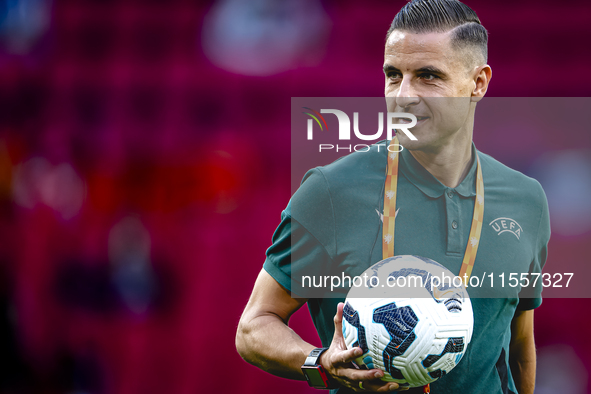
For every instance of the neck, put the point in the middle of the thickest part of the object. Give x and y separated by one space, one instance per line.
450 164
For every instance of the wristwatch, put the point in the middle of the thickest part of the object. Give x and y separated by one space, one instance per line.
314 372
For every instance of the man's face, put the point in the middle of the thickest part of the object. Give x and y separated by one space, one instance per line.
425 76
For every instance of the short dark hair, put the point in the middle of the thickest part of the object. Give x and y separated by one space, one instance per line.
438 16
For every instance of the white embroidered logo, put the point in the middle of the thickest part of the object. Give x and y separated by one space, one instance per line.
502 225
381 215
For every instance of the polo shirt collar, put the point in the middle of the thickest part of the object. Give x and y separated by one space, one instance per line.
428 184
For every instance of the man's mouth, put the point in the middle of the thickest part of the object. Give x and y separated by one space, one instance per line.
407 120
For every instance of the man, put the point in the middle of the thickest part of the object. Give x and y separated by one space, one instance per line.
435 68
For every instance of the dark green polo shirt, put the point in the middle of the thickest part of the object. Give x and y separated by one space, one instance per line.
332 226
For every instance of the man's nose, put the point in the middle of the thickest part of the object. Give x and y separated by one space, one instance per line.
406 95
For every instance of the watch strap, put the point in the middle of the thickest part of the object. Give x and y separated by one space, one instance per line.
314 355
322 379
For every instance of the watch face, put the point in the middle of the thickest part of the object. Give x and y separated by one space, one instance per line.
314 377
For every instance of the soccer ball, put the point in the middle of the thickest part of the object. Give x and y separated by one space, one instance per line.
412 318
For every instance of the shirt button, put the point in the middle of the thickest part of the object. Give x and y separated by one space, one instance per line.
450 194
454 224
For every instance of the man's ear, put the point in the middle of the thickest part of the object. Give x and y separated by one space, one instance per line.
482 76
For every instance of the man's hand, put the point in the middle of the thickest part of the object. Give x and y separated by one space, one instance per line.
264 339
338 363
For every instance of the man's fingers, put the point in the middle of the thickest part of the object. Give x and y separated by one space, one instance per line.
338 320
356 375
380 386
370 379
350 355
375 385
338 338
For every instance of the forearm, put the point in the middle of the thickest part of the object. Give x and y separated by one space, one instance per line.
268 343
522 359
522 352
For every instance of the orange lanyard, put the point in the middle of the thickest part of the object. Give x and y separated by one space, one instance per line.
390 190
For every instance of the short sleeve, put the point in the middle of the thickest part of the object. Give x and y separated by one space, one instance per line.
300 253
531 297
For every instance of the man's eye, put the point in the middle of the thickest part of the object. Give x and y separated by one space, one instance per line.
429 77
393 75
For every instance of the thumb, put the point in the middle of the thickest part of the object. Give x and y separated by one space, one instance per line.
338 338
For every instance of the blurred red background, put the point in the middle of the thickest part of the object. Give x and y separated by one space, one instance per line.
144 163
